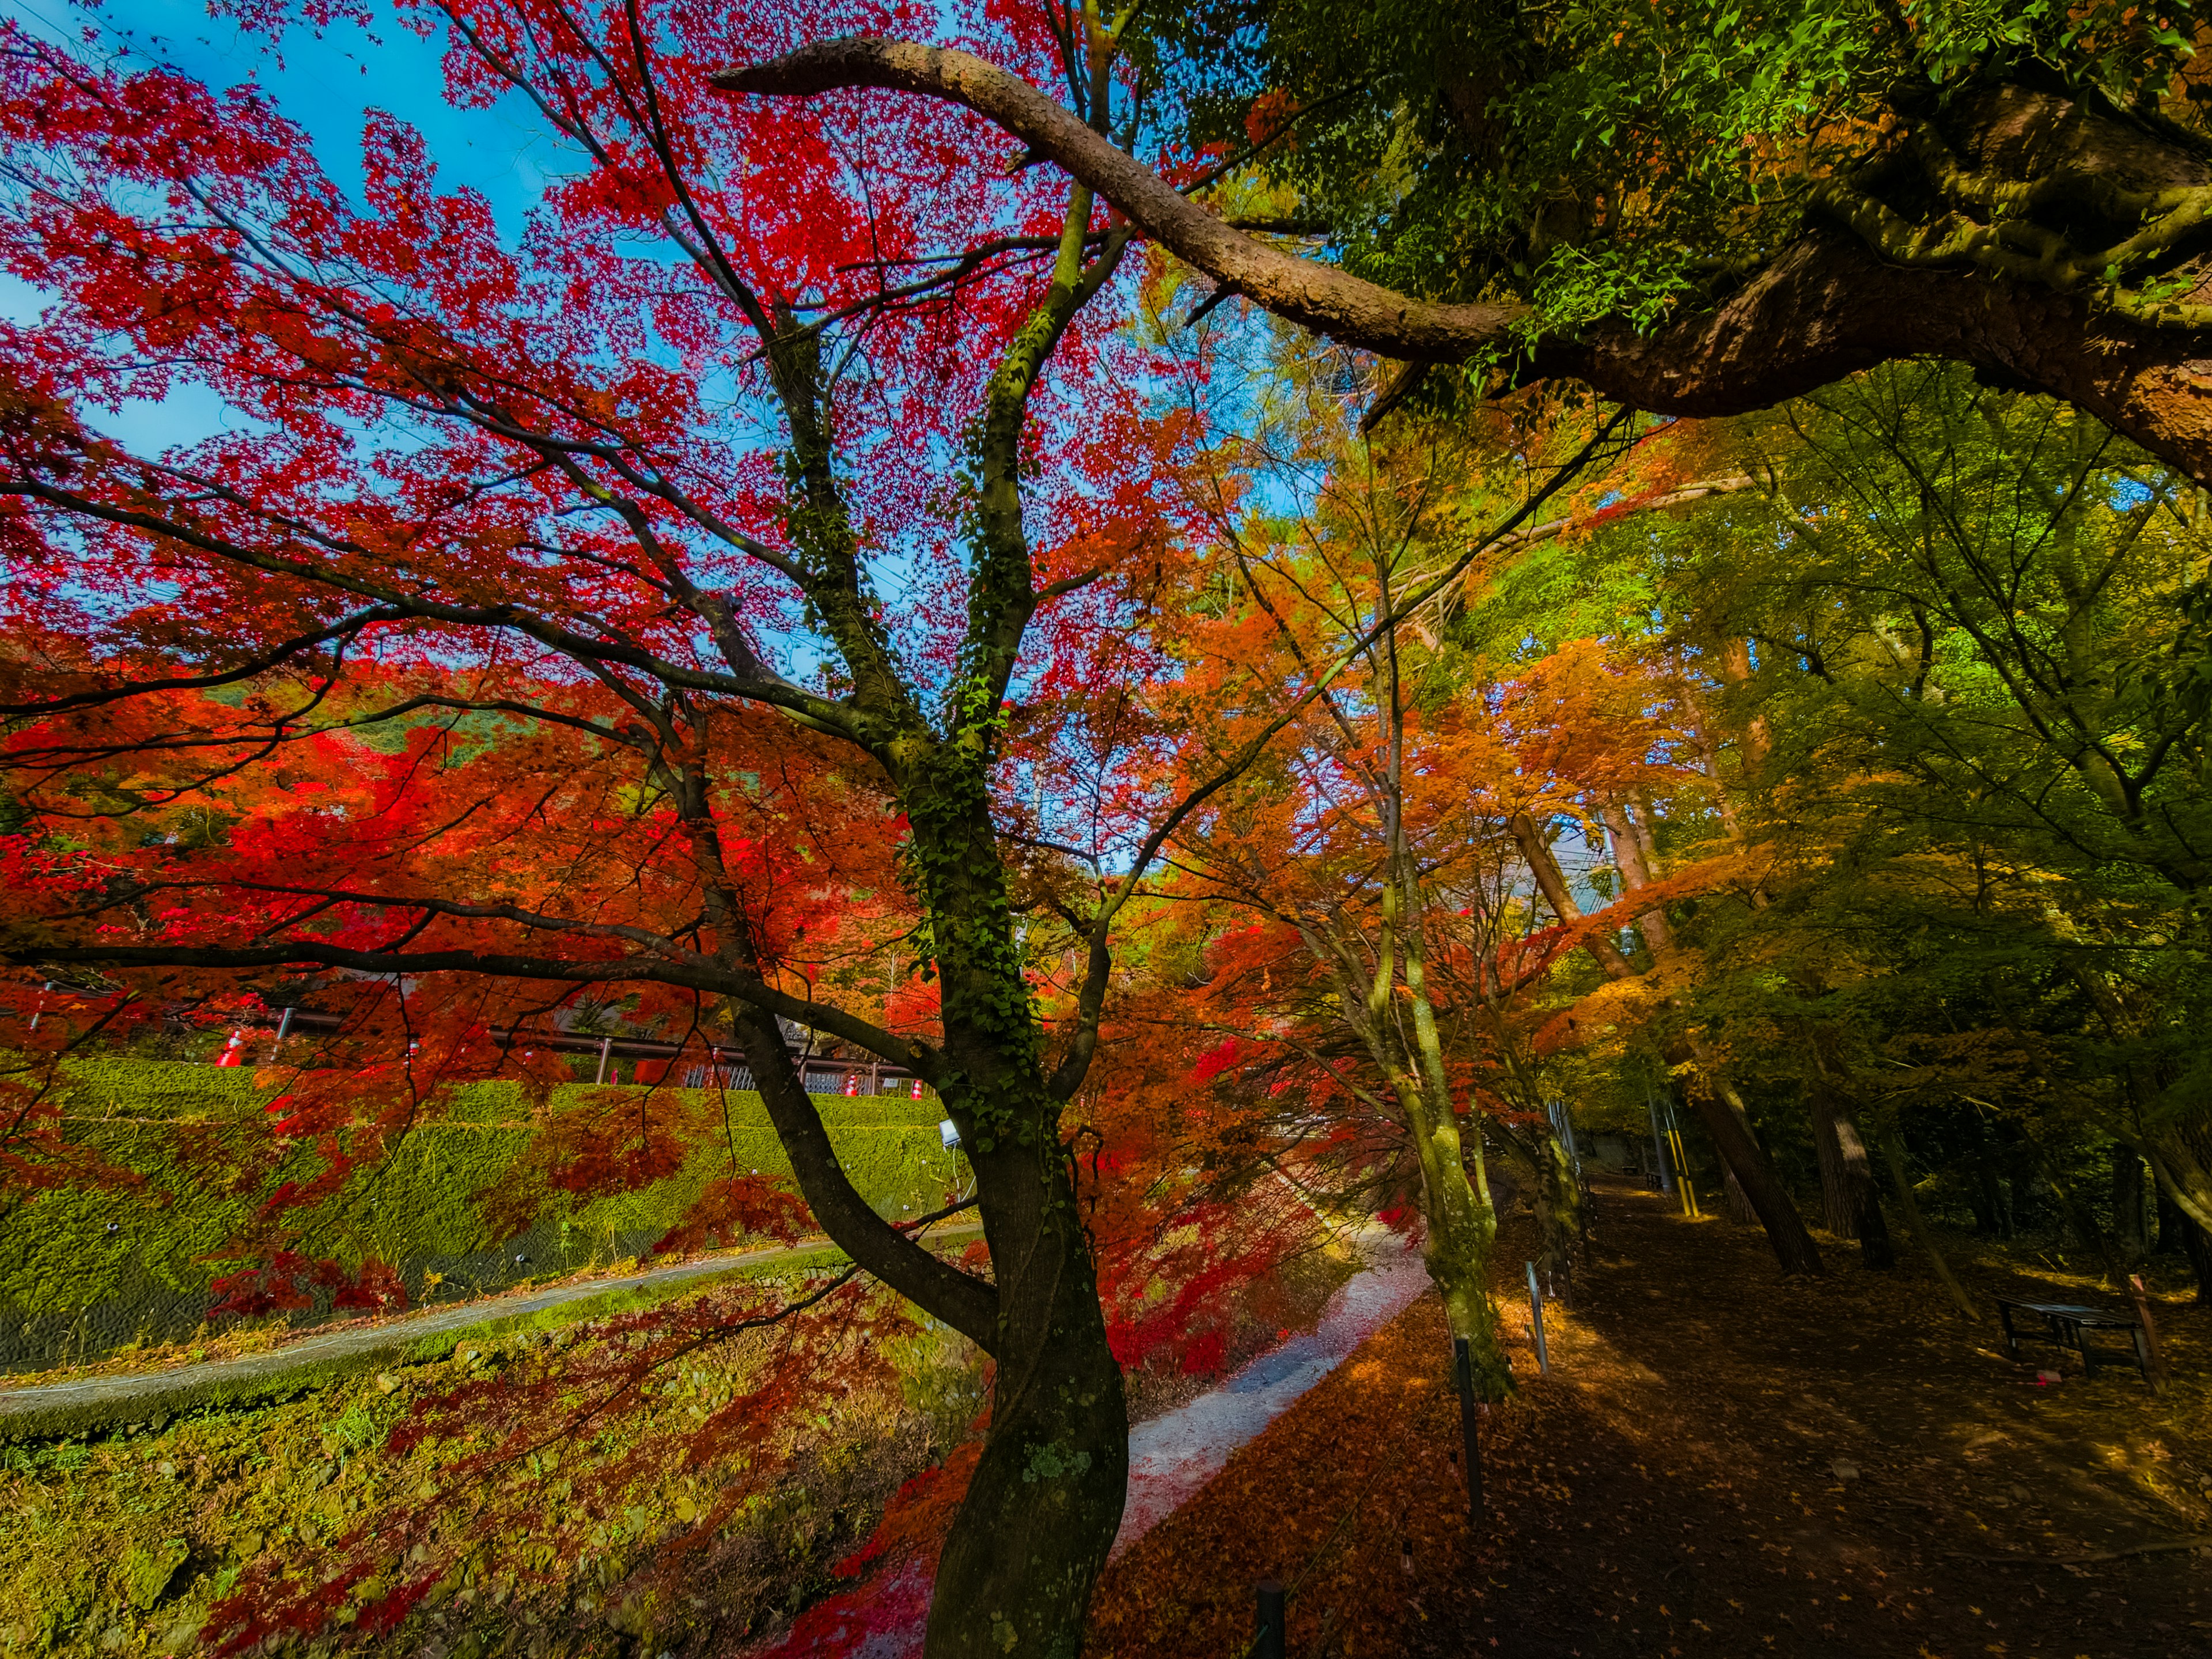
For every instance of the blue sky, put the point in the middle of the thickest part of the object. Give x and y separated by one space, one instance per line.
327 84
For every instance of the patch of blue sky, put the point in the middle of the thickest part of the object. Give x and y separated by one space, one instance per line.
327 82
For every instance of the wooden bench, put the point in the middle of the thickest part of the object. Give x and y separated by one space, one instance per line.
2069 1325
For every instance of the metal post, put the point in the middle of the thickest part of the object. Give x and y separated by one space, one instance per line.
1267 1632
606 1047
1470 1425
1536 1322
1689 1191
284 1027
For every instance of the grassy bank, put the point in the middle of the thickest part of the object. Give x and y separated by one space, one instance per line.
85 1271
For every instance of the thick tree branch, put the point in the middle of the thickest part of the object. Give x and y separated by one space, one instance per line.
967 1303
1827 306
1318 295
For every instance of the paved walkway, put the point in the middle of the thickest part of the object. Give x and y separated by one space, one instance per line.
49 1409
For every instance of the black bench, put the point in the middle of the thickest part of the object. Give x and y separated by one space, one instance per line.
2069 1325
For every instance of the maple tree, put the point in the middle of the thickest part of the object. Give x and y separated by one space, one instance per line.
448 677
493 548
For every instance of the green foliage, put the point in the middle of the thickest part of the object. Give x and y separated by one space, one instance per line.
1615 158
1951 644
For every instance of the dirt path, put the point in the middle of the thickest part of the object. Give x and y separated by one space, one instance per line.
44 1409
1722 1463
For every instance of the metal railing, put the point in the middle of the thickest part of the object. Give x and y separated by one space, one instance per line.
821 1075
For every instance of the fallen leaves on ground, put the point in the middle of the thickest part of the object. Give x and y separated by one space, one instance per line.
1722 1463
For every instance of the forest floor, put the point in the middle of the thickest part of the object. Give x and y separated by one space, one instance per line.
1722 1462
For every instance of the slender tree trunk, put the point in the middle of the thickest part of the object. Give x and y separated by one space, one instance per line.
1893 1153
1754 1172
2093 1237
2129 1235
1742 1159
1560 1216
1631 856
1999 1225
1461 1224
1536 851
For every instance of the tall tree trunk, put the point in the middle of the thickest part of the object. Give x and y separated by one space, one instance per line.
1461 1224
1850 1189
2176 1231
2181 1157
1557 1197
1630 857
1747 1160
2129 1235
1839 1215
1893 1152
1041 1510
1536 851
1742 1157
1993 1200
2093 1237
1031 1536
1733 1198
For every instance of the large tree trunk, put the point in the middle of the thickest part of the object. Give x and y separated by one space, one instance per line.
1046 1500
1041 1513
1837 1211
1921 270
1847 1186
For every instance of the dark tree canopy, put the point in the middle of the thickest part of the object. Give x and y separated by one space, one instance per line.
1701 207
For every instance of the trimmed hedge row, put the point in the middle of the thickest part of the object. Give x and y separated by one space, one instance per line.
83 1270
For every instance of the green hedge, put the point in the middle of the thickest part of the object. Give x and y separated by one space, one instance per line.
184 1129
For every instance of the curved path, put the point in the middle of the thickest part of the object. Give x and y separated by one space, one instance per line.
47 1409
